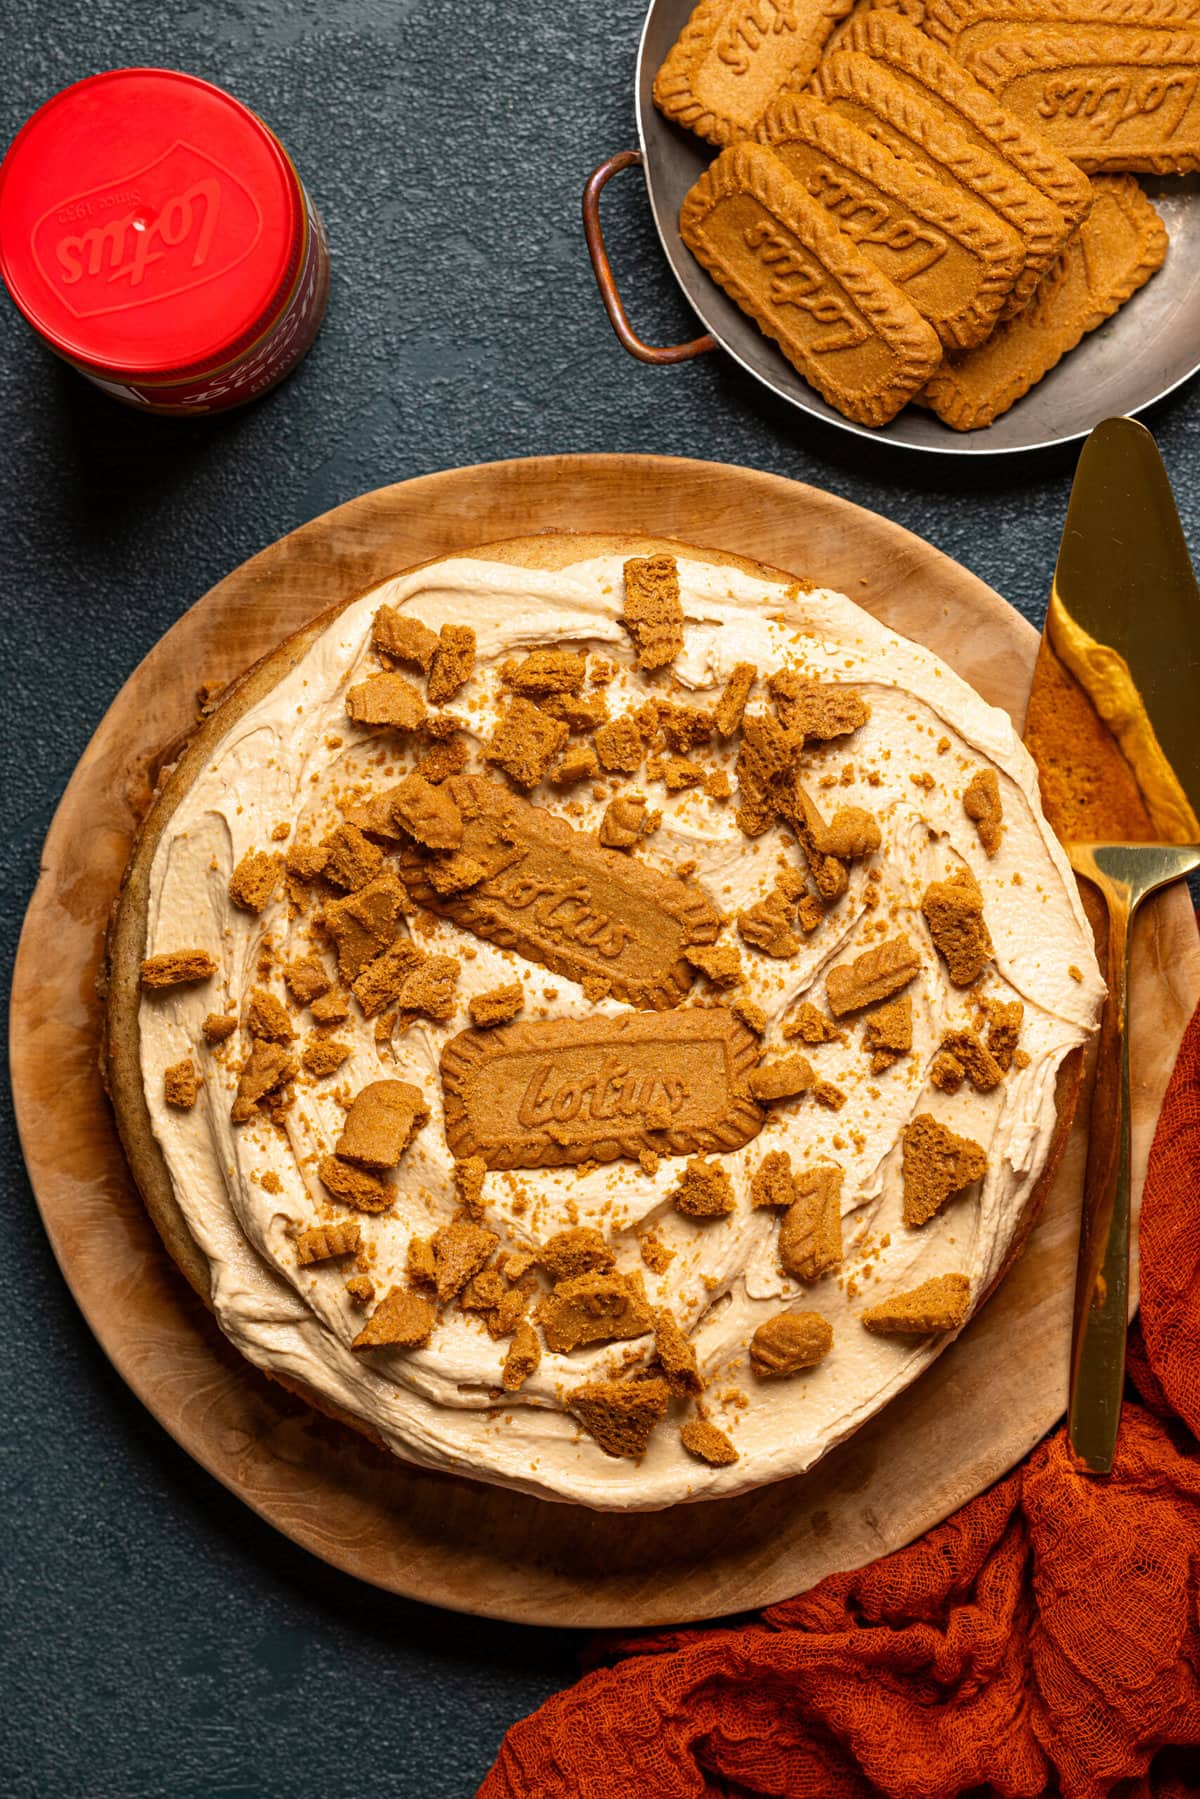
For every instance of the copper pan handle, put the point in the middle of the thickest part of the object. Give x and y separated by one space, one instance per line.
606 281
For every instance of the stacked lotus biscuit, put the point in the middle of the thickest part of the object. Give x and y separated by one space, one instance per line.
932 207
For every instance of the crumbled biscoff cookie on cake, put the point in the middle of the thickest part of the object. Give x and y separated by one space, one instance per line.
767 925
304 861
982 804
937 1305
579 1250
351 860
594 1308
935 1165
459 1251
218 1026
177 968
266 1016
717 784
810 1024
254 880
381 980
623 822
684 727
181 1084
546 672
364 923
652 613
766 756
468 1184
306 979
1004 1019
675 772
873 976
403 638
323 1056
330 1008
429 813
810 913
523 1358
676 1355
361 1289
579 763
453 663
267 1068
829 1096
454 871
526 742
888 1033
620 1415
442 761
619 745
504 1319
782 1079
727 714
946 1072
386 700
382 1121
419 1264
788 1343
810 1232
402 1320
751 1015
816 710
497 1005
707 1443
976 1060
717 962
355 1186
953 910
703 1191
325 1242
483 1292
581 713
772 1181
430 988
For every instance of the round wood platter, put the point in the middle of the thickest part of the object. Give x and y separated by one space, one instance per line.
455 1542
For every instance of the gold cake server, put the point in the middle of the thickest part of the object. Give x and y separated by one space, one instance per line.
1118 678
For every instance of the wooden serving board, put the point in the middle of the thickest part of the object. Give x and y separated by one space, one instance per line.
449 1541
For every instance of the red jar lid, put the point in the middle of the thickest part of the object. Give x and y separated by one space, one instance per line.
149 222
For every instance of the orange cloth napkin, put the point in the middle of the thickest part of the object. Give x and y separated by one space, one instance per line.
1045 1639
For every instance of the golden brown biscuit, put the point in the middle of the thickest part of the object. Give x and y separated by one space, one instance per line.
848 330
1110 97
935 77
915 11
953 258
910 123
568 1090
965 26
1121 244
734 56
558 897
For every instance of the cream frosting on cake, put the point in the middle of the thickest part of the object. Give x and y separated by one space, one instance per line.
293 759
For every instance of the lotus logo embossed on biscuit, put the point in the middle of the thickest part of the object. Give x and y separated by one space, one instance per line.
179 222
558 897
545 1095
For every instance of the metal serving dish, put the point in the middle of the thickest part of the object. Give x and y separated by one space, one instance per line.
1146 351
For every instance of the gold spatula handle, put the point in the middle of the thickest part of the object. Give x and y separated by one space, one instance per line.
1102 1277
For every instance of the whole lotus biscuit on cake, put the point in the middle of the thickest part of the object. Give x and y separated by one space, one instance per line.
614 1065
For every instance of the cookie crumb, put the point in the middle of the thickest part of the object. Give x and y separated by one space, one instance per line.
497 1005
325 1242
181 1084
788 1343
177 968
620 1415
937 1305
652 613
403 1320
935 1165
452 665
982 804
708 1444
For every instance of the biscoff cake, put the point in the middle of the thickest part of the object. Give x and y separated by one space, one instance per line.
588 1013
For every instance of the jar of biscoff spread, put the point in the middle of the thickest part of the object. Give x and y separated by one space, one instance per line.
155 234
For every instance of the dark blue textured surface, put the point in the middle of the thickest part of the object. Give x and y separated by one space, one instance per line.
155 1638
